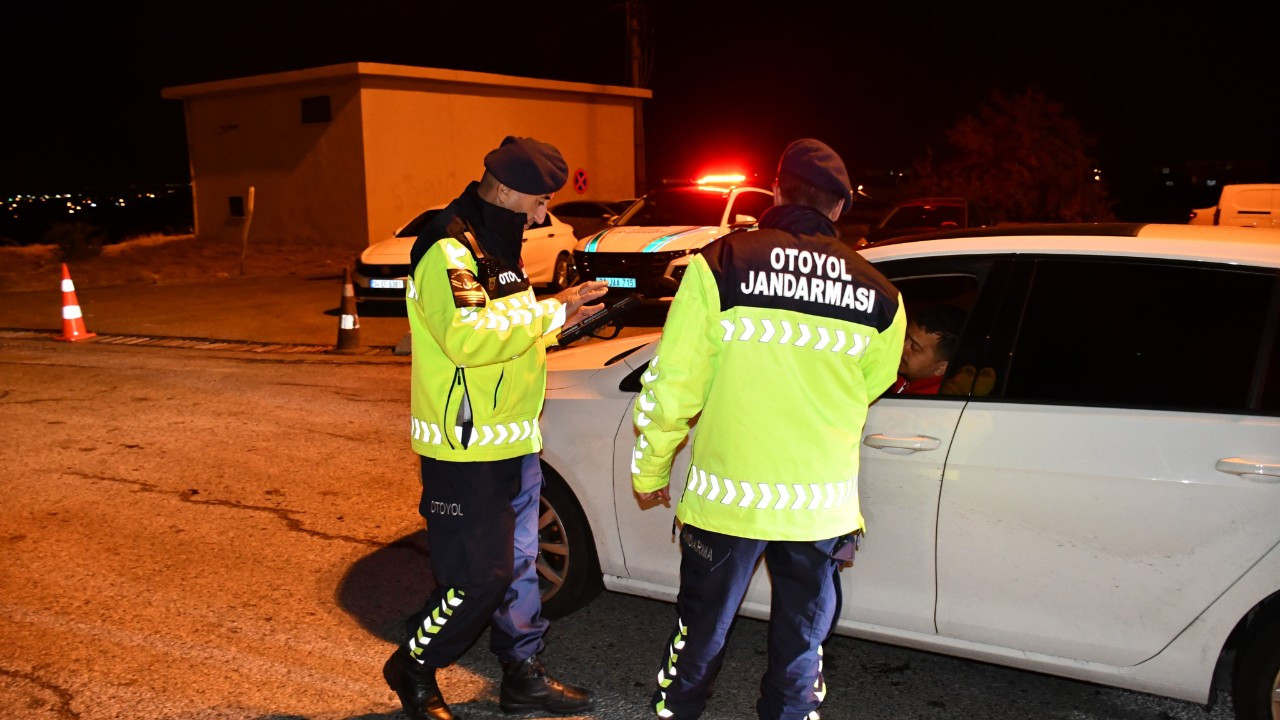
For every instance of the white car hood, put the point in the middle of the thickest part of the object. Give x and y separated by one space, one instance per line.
394 251
640 238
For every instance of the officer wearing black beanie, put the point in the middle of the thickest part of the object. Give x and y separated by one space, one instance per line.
804 311
479 338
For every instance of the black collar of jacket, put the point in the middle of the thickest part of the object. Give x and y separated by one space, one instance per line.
798 220
499 231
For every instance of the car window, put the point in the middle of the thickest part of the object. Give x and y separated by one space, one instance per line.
750 203
974 288
682 206
414 227
1139 334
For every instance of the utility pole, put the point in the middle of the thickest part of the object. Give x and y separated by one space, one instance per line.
637 25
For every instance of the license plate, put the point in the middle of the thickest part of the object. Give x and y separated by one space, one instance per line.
619 282
386 284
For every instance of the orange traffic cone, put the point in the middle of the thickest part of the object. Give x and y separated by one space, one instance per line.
72 319
349 324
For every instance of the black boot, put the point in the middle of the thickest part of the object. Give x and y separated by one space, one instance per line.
526 686
416 685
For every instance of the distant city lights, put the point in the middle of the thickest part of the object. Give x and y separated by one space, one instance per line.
80 202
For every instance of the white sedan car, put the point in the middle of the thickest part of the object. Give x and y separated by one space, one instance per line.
381 269
1095 493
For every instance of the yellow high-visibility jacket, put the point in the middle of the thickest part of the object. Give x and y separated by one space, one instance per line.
479 370
779 341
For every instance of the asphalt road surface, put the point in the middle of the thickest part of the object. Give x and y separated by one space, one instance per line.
212 534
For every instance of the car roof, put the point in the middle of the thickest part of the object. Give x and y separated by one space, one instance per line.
1203 243
933 201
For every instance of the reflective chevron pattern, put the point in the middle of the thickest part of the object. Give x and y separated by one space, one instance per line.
668 671
764 496
646 403
819 686
807 335
434 621
514 311
499 434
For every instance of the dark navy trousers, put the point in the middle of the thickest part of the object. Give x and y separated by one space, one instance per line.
482 534
715 570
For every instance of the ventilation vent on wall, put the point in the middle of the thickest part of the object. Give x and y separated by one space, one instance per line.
316 109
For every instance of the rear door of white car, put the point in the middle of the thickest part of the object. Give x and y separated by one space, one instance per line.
1097 500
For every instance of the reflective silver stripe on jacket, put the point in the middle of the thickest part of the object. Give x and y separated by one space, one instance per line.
806 335
764 496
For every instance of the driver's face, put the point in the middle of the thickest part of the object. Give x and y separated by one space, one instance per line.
920 354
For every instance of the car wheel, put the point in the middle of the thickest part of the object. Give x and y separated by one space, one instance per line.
1255 690
568 571
564 275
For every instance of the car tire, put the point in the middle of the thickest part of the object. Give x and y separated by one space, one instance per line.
563 275
568 570
1255 688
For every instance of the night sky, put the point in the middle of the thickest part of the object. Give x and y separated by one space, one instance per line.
1161 85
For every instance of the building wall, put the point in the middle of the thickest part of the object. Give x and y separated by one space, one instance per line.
425 140
308 178
399 139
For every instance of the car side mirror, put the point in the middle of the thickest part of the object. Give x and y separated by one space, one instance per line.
741 220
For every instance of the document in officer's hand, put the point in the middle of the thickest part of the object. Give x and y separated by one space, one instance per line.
610 314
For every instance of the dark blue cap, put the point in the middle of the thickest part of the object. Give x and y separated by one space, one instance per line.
528 166
818 165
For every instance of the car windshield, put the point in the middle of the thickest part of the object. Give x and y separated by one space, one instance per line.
414 227
913 216
678 206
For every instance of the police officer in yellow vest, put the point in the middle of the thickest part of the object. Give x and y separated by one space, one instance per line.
780 337
479 339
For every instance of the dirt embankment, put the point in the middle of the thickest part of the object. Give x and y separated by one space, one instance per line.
167 260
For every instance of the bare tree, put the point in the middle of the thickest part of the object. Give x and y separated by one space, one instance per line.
1022 158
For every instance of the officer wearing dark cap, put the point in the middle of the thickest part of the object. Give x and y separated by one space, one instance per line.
479 338
779 338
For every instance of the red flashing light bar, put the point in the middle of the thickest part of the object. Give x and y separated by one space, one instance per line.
727 178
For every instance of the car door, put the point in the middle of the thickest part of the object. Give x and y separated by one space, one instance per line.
649 547
1098 499
904 449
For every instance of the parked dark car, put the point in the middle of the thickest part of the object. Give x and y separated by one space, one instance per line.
927 214
589 216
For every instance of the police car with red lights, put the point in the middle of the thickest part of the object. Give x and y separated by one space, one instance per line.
646 249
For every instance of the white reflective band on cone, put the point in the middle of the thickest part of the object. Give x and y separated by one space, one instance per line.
348 322
70 312
68 286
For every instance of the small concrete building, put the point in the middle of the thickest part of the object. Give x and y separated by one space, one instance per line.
343 155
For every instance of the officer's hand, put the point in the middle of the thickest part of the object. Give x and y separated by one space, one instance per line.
663 493
575 298
583 313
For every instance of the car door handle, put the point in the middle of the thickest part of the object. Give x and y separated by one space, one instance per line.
918 442
1262 472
